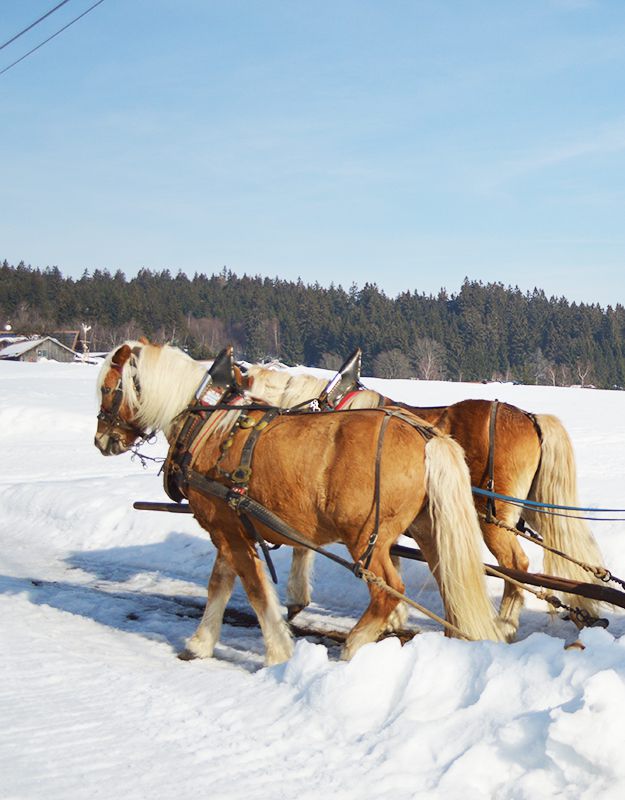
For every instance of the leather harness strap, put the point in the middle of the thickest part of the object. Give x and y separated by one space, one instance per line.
241 475
365 558
179 457
491 511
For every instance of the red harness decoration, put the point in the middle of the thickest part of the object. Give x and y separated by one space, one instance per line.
344 400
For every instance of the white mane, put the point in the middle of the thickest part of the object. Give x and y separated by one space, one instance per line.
282 388
167 379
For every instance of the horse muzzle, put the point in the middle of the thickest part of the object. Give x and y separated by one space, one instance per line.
109 445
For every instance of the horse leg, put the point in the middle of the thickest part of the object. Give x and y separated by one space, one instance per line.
300 583
504 545
262 597
421 532
220 584
556 482
381 605
451 540
298 589
458 596
399 617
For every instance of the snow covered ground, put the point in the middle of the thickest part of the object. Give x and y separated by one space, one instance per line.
96 599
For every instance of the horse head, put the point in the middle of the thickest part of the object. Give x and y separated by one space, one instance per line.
118 429
144 388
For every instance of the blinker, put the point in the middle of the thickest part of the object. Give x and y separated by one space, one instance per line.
220 375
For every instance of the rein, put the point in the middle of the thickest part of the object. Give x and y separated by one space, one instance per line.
544 508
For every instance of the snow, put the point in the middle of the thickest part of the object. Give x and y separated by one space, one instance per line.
96 599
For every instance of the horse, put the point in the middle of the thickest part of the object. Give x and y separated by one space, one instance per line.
317 472
528 456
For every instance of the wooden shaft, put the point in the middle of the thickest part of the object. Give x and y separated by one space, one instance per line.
594 591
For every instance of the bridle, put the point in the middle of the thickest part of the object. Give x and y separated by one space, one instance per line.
111 417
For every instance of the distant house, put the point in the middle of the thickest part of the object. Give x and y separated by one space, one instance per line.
35 349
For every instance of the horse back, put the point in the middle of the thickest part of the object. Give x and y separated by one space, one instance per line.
515 440
317 471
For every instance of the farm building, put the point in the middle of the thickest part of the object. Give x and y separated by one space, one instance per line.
36 349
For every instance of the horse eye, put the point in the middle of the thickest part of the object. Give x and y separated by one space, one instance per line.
106 390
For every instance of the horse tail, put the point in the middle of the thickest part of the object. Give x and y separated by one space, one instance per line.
458 540
555 482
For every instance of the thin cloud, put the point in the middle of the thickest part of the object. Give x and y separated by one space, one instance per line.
608 139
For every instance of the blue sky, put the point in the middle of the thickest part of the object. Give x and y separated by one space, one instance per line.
408 144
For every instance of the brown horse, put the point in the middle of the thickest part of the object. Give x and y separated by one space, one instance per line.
318 473
532 459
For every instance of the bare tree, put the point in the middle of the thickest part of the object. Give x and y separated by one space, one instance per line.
565 375
552 373
540 366
208 332
583 369
273 335
430 359
27 319
391 364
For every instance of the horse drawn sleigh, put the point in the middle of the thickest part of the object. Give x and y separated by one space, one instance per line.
257 467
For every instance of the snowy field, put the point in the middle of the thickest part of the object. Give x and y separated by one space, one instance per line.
97 598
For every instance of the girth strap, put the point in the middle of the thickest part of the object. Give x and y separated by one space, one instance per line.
491 511
365 558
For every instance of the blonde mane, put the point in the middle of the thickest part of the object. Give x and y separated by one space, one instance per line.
281 388
167 379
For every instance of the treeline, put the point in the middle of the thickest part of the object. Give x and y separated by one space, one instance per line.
484 332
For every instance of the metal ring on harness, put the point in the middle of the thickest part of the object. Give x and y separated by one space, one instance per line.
241 474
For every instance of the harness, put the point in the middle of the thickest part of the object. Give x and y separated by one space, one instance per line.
491 511
179 474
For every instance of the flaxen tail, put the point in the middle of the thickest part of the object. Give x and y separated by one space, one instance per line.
458 538
556 482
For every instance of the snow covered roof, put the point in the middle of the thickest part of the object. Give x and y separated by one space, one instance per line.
16 350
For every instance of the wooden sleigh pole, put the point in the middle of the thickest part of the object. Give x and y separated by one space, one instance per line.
593 591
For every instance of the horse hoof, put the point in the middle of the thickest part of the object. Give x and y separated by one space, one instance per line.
293 611
508 630
576 645
186 655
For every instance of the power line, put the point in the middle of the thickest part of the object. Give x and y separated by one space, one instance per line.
65 27
36 22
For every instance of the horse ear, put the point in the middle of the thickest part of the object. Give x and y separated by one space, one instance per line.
144 340
242 381
121 356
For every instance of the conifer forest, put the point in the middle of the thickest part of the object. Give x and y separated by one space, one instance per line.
482 332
